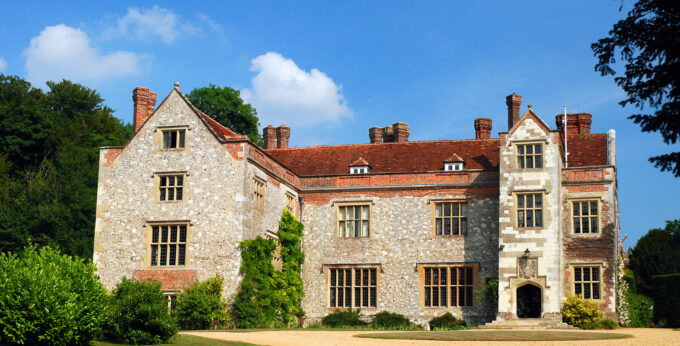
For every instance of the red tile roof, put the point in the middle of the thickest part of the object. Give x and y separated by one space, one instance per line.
170 279
389 157
221 131
587 150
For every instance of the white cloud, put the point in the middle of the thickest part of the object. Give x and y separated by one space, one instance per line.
3 64
148 24
61 51
284 93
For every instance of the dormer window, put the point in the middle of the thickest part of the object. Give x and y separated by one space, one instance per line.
358 170
453 166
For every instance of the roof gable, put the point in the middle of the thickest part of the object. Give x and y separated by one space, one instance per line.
530 114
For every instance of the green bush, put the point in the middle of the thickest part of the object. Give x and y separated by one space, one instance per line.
390 320
47 298
580 313
608 324
666 296
139 314
446 322
640 310
201 306
343 318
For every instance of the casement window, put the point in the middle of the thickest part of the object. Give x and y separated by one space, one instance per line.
174 139
530 155
353 221
258 194
587 282
353 287
585 216
168 245
529 210
290 202
447 286
358 170
171 187
453 166
450 218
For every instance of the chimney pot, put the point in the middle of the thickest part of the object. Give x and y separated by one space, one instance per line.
375 134
269 135
401 132
144 103
513 101
483 128
282 136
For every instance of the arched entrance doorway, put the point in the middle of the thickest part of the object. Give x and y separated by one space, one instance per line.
528 301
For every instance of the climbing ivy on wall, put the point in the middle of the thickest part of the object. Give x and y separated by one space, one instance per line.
268 297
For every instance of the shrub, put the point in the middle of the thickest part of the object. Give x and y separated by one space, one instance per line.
608 324
446 322
201 306
581 313
343 318
47 298
390 320
640 309
666 290
139 314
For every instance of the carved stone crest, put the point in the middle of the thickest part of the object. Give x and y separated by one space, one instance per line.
527 267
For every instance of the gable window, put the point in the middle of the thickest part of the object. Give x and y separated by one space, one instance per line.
353 221
587 282
453 166
171 187
353 287
168 245
585 216
258 194
451 218
447 286
530 210
358 170
173 139
290 202
530 155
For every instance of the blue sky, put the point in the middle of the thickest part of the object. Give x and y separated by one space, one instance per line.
331 70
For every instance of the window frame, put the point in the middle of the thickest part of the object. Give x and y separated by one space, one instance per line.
598 216
148 258
259 193
372 303
533 155
454 166
180 130
359 170
533 209
467 288
460 202
591 266
338 206
183 187
290 202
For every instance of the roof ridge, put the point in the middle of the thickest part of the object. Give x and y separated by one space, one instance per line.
392 143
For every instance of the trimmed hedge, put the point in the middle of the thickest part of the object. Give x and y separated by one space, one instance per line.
343 318
446 321
581 313
666 296
391 320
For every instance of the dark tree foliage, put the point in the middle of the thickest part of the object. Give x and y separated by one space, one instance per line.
49 154
648 40
227 108
656 253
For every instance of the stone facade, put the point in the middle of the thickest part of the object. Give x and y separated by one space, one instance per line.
234 190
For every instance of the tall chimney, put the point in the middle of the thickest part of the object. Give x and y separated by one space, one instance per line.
388 134
401 132
513 101
577 123
269 135
483 128
144 101
375 134
282 136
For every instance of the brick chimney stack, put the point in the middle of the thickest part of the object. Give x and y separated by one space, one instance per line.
577 123
269 135
483 128
144 103
513 101
401 132
282 136
375 134
387 134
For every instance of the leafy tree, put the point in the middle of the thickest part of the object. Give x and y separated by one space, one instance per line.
647 40
656 253
227 108
201 305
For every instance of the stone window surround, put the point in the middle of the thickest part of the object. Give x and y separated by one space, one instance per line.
259 196
476 283
159 130
326 270
584 198
337 204
513 144
146 259
433 206
290 202
171 294
157 182
572 283
544 208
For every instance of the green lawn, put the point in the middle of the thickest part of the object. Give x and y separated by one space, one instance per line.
496 335
189 340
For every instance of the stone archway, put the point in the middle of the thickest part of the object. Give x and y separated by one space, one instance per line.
529 301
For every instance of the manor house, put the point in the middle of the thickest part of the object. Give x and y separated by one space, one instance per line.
413 227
